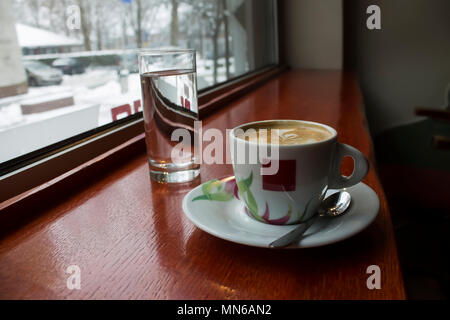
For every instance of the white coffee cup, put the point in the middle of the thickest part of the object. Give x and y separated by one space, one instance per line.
305 171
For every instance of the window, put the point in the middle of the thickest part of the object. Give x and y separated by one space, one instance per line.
73 68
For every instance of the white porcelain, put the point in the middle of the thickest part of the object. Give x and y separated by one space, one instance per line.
226 219
305 172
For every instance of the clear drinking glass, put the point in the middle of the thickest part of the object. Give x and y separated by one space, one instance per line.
169 94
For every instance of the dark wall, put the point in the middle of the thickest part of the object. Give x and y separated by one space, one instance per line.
403 65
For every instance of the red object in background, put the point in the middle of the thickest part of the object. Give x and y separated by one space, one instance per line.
126 108
185 103
137 105
283 180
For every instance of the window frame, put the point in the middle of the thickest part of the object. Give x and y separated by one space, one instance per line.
20 175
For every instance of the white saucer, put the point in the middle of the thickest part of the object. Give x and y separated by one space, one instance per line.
227 220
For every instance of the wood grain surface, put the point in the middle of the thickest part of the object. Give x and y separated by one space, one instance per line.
131 240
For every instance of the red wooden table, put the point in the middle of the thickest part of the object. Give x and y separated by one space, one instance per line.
130 238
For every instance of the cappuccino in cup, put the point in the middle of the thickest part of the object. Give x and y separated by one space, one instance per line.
284 133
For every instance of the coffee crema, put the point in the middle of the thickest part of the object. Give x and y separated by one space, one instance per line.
285 132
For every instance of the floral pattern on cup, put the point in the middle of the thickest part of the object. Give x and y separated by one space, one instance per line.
219 190
266 216
227 189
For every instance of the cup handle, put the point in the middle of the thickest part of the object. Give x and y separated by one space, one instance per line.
338 181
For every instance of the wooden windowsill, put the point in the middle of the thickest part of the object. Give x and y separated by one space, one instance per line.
131 240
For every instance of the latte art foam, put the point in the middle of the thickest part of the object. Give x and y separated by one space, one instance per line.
284 132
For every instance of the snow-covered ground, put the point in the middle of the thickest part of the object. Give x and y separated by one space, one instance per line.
98 86
102 87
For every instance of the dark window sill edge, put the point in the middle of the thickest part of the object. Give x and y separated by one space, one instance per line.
19 183
25 160
26 207
23 186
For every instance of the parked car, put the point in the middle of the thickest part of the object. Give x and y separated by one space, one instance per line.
129 61
69 66
40 74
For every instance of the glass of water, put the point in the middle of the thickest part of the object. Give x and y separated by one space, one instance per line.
169 94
